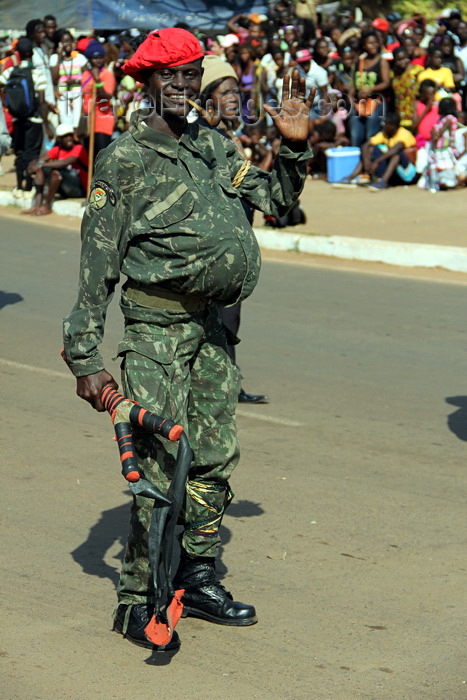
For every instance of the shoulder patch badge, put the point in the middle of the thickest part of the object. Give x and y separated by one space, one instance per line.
100 194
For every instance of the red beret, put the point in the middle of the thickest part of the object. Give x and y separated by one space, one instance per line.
164 48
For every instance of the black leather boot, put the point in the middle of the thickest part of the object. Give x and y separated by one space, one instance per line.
138 619
206 597
243 397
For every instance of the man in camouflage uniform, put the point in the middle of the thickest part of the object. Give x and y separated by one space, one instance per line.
165 212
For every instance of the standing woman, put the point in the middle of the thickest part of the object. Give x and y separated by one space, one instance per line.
231 55
450 60
371 77
282 66
105 84
248 82
67 67
404 85
220 91
322 54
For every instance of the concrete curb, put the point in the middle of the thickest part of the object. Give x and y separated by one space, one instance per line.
64 207
451 258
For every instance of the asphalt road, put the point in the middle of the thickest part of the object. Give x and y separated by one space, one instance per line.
348 527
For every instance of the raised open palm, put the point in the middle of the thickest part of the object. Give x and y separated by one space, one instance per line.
292 119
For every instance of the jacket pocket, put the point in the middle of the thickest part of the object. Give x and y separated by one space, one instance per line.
174 208
160 349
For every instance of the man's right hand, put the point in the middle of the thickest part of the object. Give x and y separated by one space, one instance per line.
90 388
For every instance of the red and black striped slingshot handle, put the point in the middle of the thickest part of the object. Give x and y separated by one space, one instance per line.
140 416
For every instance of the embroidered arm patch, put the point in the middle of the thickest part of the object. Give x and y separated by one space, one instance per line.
100 194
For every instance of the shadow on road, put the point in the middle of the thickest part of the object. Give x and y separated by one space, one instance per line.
244 509
112 527
457 421
161 659
7 298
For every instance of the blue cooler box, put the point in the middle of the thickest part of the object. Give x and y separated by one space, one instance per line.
341 161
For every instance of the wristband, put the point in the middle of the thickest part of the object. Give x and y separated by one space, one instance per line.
99 85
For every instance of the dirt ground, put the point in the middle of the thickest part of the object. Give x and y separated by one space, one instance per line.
405 214
347 530
400 214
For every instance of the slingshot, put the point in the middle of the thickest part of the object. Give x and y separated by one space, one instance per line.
124 414
168 606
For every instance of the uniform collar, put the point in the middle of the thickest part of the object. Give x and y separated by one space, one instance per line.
194 138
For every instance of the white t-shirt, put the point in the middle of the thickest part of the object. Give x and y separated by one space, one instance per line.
40 61
317 77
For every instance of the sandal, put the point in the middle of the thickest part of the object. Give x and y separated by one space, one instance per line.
363 179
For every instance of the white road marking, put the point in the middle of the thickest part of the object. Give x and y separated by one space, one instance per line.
269 419
33 368
63 375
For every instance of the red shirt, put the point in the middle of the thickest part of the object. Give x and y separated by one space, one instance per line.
80 165
427 123
105 119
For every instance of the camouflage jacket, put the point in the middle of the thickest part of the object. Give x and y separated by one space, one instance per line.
165 212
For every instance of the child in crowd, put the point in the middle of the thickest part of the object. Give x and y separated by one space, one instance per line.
387 156
425 113
324 135
340 71
443 170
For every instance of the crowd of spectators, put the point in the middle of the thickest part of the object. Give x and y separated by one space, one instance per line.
392 86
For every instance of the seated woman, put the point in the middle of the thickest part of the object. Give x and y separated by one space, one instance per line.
385 158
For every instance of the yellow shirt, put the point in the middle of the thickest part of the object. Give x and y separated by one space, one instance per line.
402 135
443 76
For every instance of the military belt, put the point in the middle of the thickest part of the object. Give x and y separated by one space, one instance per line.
153 297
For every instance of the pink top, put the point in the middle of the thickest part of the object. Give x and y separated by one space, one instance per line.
427 123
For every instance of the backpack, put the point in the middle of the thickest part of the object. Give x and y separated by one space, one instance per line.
20 94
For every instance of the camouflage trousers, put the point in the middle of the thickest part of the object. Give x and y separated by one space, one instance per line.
182 371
